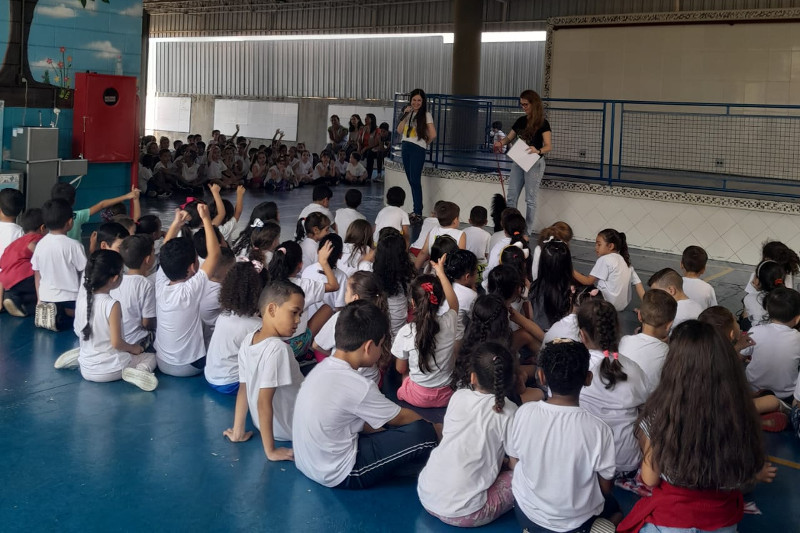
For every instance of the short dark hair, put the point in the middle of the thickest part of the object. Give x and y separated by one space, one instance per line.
63 191
56 213
694 259
360 321
721 318
443 244
497 125
666 277
321 192
278 292
31 220
447 212
199 240
12 202
135 249
478 215
352 198
565 364
176 256
356 156
459 263
396 196
164 151
658 308
782 304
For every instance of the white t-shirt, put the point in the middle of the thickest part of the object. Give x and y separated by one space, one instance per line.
333 404
398 311
776 358
647 352
222 360
304 168
179 335
614 279
410 133
340 167
97 356
314 207
687 310
404 347
209 308
270 364
754 306
59 261
335 300
350 260
137 297
466 299
566 328
700 291
9 232
561 451
357 170
190 173
494 259
537 255
618 407
427 225
326 339
390 216
310 249
314 291
788 281
797 390
215 169
478 242
227 228
344 217
438 231
467 461
495 238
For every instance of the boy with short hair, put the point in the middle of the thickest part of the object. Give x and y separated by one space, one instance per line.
180 350
57 263
693 264
340 165
579 450
776 352
12 202
393 215
347 215
648 349
16 274
66 192
477 237
320 202
339 413
428 224
135 294
356 173
670 281
447 214
269 376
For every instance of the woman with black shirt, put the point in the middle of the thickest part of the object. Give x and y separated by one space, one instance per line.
534 130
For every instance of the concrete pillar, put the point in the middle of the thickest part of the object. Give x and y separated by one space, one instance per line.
464 130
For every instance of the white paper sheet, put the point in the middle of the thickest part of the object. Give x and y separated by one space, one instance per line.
519 154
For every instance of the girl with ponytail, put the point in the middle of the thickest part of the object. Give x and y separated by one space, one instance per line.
462 484
619 386
262 213
425 348
310 231
103 354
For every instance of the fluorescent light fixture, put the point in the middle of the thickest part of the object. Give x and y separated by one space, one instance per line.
447 38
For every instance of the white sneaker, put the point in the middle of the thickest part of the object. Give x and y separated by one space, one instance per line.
147 381
601 525
68 359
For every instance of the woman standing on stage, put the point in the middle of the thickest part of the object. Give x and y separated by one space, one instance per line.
534 130
416 127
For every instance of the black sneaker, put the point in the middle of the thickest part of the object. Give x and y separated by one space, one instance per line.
415 218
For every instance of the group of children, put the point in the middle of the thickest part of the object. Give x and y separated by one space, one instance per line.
546 404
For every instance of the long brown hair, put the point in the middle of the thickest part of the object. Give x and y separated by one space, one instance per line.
367 286
421 116
536 117
703 427
426 305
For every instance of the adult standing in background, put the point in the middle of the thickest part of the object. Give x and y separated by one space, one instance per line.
416 127
534 130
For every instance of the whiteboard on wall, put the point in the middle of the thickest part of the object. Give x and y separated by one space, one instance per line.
256 119
168 113
382 114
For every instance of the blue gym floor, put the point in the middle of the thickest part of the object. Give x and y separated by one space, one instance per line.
101 457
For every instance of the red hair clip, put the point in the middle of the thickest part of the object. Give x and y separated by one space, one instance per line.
779 281
428 288
189 199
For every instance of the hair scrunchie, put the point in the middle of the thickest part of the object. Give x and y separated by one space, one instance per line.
615 355
257 223
428 288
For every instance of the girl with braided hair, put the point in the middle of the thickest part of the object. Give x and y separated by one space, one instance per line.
462 483
619 386
425 348
103 354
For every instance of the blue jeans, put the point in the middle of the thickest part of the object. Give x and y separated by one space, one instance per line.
650 528
413 161
530 180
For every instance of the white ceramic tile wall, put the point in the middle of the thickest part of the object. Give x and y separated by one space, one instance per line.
727 234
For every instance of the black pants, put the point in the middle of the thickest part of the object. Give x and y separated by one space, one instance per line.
23 294
370 156
610 508
395 451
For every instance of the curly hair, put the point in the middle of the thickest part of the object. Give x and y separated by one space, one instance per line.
565 364
427 295
598 320
240 289
392 265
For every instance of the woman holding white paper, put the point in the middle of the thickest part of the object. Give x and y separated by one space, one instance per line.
534 130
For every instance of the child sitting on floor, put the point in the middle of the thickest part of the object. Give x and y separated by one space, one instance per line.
310 231
447 214
671 282
477 238
693 264
269 377
66 192
769 276
12 202
135 294
16 273
392 215
347 215
339 415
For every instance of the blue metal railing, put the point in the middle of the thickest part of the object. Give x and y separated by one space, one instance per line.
738 149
